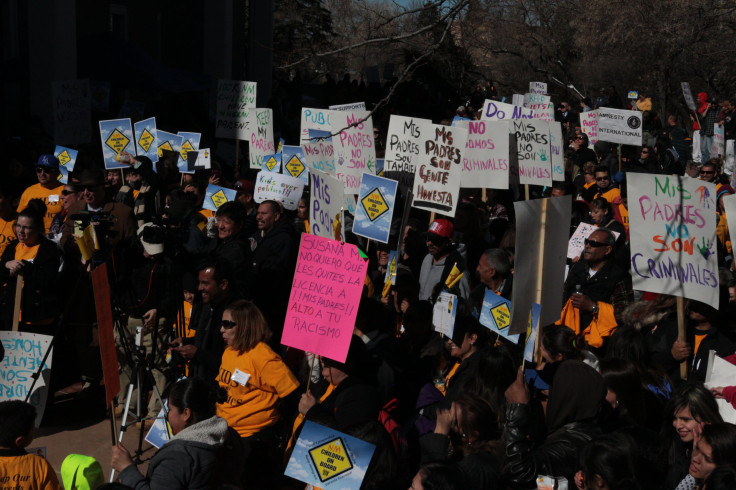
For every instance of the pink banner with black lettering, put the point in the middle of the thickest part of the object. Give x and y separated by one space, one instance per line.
673 236
324 297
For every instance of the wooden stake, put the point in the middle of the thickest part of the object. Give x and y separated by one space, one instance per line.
526 192
681 333
540 268
431 218
483 195
18 296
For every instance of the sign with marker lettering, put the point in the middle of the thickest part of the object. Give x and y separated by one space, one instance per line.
501 111
486 158
537 88
589 126
328 459
278 187
324 299
261 137
541 105
314 119
325 203
672 223
619 126
235 99
532 146
403 143
556 150
355 151
439 169
688 94
718 148
72 103
319 152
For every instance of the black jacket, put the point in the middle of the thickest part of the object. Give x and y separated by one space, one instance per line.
353 401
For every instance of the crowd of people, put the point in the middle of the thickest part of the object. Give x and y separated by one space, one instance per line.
604 406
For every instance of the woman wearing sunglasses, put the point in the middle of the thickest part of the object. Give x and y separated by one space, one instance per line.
256 381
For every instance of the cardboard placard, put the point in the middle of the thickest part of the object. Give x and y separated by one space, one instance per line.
444 313
325 204
216 196
355 150
235 99
532 146
375 208
495 314
116 136
277 187
145 138
486 158
619 126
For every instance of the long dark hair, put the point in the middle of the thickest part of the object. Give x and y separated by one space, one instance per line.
610 458
622 378
197 395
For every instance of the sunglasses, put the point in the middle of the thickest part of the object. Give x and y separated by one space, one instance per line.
227 324
706 172
602 178
66 193
43 170
595 244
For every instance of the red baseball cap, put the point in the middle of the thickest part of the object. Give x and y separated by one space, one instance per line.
242 185
442 228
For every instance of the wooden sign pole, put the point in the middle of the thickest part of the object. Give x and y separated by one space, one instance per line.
18 297
681 333
540 269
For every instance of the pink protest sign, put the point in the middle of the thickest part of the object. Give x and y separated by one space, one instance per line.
324 297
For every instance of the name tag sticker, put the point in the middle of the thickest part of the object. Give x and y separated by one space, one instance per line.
54 198
240 377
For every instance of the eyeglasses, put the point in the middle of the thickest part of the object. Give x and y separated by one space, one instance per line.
66 192
598 179
595 244
43 170
645 151
579 138
227 324
707 172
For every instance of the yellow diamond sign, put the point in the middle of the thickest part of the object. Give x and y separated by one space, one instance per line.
165 146
117 141
502 315
295 166
64 158
146 140
219 198
186 147
330 459
374 204
271 163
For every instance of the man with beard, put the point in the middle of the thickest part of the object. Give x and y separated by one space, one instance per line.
48 189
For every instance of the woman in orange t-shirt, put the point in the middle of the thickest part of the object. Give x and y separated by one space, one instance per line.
37 259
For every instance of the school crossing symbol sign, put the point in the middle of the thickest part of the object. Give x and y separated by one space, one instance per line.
330 459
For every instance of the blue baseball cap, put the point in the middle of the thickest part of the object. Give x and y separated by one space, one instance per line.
48 160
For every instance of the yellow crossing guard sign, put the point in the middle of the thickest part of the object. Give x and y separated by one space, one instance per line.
330 459
295 166
117 141
374 204
502 315
146 139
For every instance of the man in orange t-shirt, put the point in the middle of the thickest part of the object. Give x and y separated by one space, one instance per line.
48 189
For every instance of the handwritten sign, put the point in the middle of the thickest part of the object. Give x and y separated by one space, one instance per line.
277 187
235 99
72 102
532 146
319 152
116 136
403 143
541 105
23 355
145 138
577 241
496 315
324 299
486 158
673 236
261 137
314 119
355 151
556 149
439 170
216 196
718 148
537 88
619 126
326 202
444 313
688 95
375 207
501 111
589 126
328 459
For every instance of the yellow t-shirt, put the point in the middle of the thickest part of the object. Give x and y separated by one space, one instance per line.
609 195
252 406
26 253
624 215
7 233
51 198
27 472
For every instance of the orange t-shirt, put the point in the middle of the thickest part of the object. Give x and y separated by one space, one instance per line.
27 472
7 233
26 253
252 405
50 197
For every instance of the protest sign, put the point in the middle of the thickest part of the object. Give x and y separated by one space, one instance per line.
531 332
326 202
116 136
403 143
540 259
355 150
314 119
72 104
328 459
160 432
261 137
319 153
235 100
557 151
23 355
375 208
541 106
486 158
67 157
688 94
391 269
277 187
325 294
355 106
216 196
537 88
495 314
589 126
718 148
272 163
502 111
200 158
619 126
379 166
721 373
189 142
145 138
168 141
444 313
516 99
439 169
577 241
672 224
292 158
532 146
